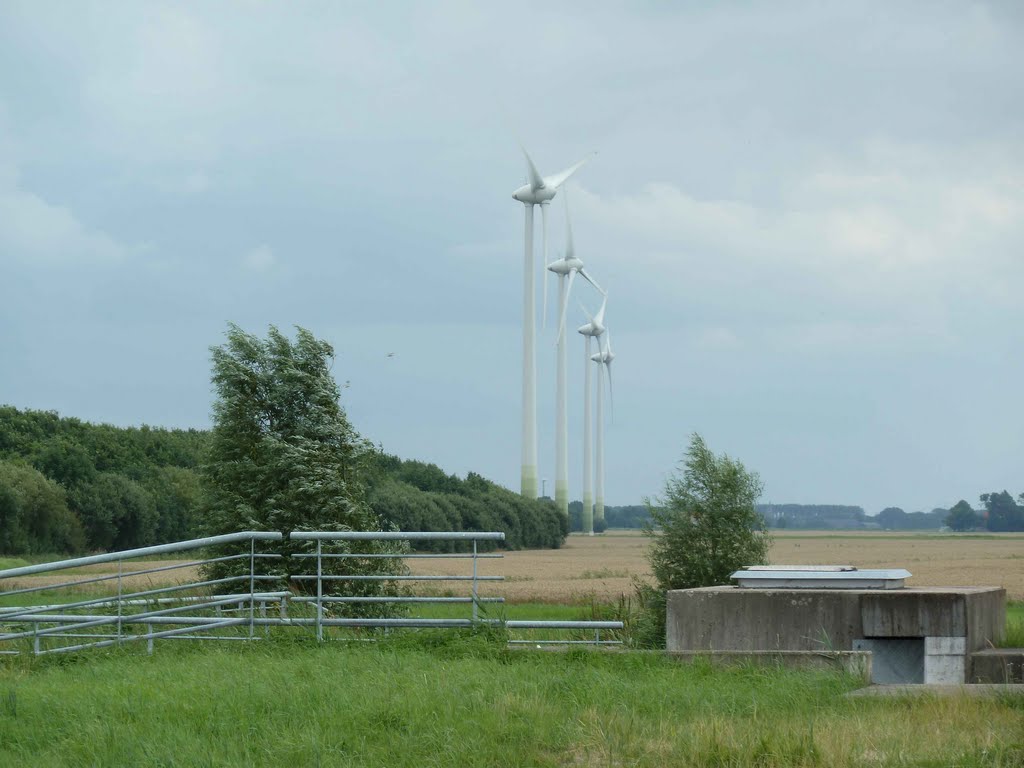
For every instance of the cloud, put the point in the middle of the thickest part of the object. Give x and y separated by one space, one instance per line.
40 232
904 242
260 259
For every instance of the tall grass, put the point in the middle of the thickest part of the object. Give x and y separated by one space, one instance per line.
1014 626
454 699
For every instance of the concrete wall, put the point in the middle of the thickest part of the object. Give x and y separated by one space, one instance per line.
952 622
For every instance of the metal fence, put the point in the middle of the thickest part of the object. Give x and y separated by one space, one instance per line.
126 597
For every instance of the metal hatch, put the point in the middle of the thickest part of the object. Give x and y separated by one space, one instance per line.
819 577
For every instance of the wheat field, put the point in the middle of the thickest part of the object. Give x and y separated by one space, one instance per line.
603 567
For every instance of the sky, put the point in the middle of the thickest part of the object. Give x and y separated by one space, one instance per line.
809 217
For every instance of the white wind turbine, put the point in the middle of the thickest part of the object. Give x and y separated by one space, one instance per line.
567 267
604 360
538 190
592 329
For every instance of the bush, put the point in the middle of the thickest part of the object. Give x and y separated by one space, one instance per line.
705 526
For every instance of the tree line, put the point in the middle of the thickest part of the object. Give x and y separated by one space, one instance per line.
70 486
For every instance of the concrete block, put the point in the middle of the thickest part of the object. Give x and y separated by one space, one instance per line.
997 665
945 646
945 669
734 619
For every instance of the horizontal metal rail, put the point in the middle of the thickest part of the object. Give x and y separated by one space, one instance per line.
182 611
160 549
423 599
397 536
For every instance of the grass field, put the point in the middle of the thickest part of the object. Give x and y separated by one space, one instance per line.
432 698
455 700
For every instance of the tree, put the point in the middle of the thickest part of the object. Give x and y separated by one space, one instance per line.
892 518
706 526
962 517
34 516
1003 512
283 455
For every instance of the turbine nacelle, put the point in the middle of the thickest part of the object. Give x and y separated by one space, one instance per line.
567 265
530 196
595 324
541 189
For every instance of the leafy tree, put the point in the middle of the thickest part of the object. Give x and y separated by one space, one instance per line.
34 516
283 455
962 517
1003 512
708 524
117 512
704 527
892 518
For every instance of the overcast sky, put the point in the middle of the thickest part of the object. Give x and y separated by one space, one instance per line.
810 218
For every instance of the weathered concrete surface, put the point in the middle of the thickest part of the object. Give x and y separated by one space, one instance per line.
734 619
855 662
976 613
998 665
951 622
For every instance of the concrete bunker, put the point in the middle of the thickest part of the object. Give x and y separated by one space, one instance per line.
905 634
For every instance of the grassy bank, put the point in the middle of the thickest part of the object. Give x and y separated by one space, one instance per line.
449 699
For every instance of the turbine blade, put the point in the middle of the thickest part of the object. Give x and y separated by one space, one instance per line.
589 279
560 178
544 262
570 249
565 305
536 180
600 312
584 310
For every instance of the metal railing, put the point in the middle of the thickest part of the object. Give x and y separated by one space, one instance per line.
125 597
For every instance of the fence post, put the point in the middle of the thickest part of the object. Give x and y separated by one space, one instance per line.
252 584
319 592
120 563
149 640
35 638
475 600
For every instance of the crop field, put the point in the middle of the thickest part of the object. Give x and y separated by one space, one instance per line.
603 566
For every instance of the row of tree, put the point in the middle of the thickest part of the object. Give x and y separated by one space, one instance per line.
416 496
282 455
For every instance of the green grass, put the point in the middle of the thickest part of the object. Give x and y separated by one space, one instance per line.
458 699
1014 626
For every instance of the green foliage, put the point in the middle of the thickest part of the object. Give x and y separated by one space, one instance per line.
415 496
34 516
634 516
1003 513
708 524
127 486
962 517
283 455
705 526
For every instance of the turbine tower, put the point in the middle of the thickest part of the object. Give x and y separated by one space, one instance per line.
567 267
538 190
604 360
591 330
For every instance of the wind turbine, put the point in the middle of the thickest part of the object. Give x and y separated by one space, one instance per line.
591 330
568 266
604 360
538 190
